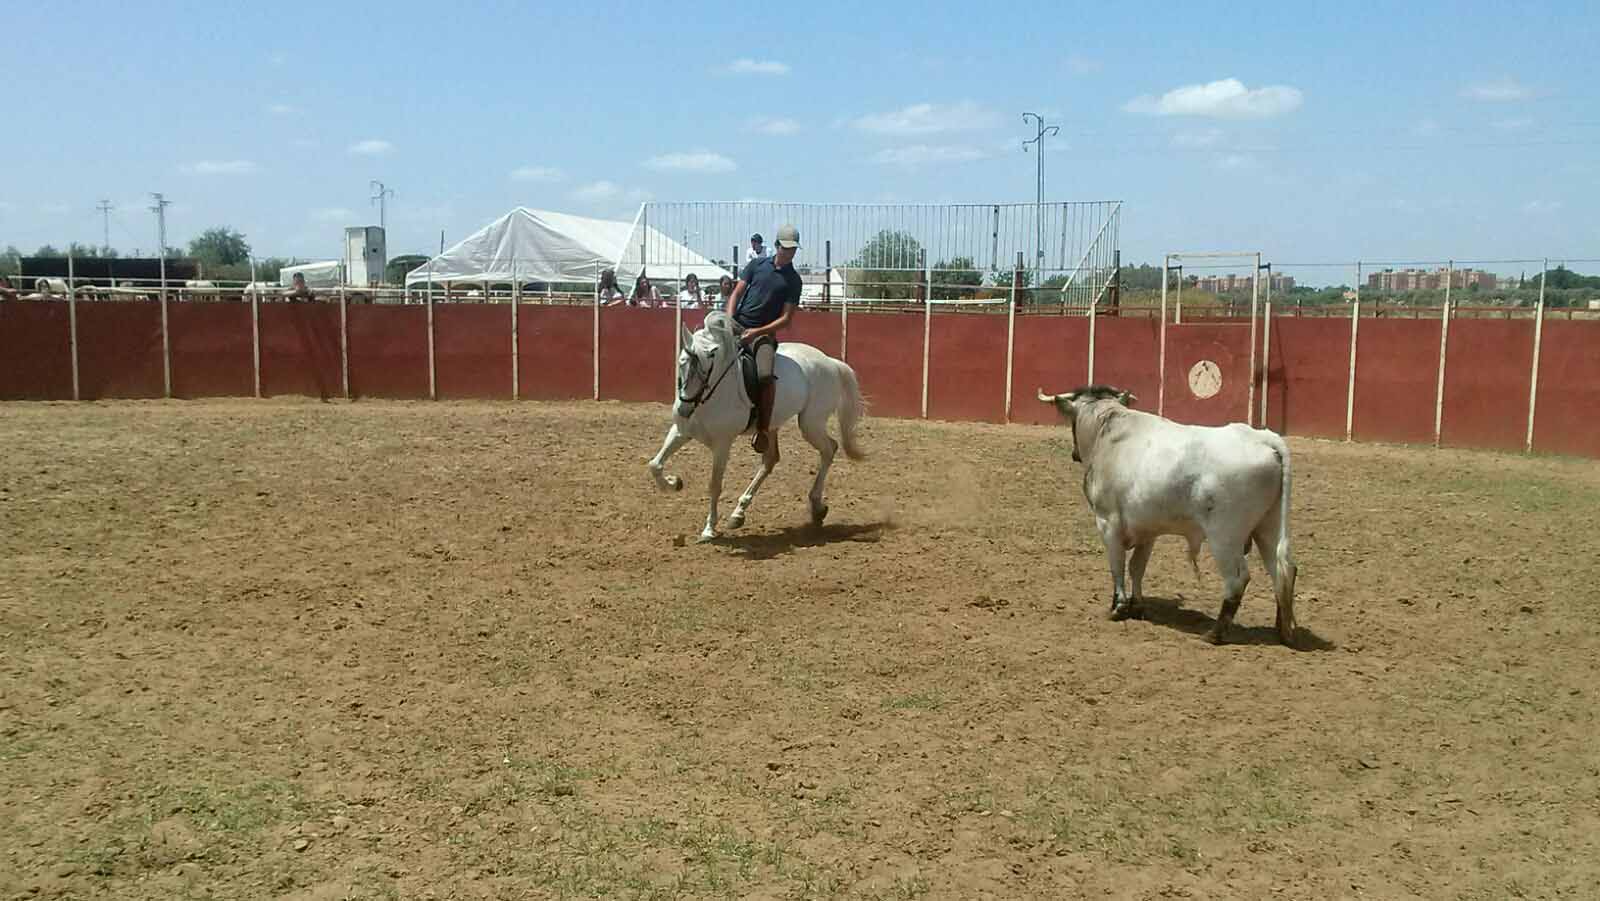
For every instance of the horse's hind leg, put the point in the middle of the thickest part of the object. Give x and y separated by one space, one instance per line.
815 429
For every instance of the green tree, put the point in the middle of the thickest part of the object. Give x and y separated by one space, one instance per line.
956 279
220 246
888 267
394 272
11 259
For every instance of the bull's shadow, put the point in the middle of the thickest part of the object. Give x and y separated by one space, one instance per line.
1172 613
767 545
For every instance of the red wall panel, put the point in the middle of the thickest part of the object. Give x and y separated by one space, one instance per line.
35 350
389 350
1127 353
967 367
119 349
211 355
1567 418
1309 376
472 350
300 349
1397 378
1225 344
817 328
636 362
1050 352
555 352
1488 364
885 350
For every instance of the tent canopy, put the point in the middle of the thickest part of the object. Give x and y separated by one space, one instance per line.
542 246
326 274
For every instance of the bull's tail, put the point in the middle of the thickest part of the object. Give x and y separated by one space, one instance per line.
1285 570
852 409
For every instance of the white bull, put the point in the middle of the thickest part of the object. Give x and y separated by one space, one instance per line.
1146 476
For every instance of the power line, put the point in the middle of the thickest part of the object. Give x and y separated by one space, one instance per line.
105 208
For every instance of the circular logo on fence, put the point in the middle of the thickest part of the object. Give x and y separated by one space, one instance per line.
1205 379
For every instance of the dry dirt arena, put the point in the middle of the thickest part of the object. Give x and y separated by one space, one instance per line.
263 649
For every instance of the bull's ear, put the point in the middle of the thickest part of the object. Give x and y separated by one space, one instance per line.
1128 398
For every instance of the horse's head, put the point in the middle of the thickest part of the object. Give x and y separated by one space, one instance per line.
705 356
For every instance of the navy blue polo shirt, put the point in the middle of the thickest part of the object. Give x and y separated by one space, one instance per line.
766 289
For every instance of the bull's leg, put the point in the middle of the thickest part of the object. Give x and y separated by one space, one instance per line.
1117 556
1136 564
1235 577
719 465
675 439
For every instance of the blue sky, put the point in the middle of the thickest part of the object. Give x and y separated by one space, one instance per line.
1314 132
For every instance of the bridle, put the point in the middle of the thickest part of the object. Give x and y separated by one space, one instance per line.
707 386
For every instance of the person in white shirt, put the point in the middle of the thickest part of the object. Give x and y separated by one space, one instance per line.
609 294
690 297
757 247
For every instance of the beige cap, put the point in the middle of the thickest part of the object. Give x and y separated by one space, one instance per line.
788 236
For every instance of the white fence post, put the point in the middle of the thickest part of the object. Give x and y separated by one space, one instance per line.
344 342
927 328
516 299
72 323
1161 357
1444 340
1250 392
595 347
433 371
1266 349
1011 341
255 327
1538 339
1350 389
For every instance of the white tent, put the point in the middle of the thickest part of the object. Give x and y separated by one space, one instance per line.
542 246
327 274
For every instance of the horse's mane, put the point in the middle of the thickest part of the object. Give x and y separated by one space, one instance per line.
719 324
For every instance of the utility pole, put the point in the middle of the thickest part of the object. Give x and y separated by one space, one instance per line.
160 209
105 208
379 198
1038 211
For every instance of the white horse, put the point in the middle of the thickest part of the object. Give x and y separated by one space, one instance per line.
713 407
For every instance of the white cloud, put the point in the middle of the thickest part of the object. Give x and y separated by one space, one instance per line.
1425 128
1204 137
1225 99
757 67
924 154
598 190
535 173
303 143
1541 207
1082 65
332 214
1236 161
55 209
1519 124
282 109
372 148
929 118
695 161
777 127
221 167
1505 90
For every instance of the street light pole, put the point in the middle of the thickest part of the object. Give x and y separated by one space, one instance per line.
383 192
1038 209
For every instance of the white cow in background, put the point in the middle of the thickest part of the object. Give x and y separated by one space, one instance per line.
1146 476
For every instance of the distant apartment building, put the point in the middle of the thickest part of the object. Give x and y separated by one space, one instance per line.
1426 280
1217 284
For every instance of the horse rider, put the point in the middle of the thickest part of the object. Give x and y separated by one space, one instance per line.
762 304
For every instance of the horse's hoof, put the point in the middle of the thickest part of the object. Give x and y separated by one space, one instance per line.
708 535
818 515
675 483
736 521
1215 637
1124 611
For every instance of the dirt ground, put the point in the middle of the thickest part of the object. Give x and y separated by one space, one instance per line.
256 649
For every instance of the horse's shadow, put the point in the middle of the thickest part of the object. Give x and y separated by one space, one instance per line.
767 545
1172 614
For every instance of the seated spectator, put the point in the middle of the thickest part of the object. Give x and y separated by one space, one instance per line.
690 297
298 291
644 293
6 291
725 293
609 294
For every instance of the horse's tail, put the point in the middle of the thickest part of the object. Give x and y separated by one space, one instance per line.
852 409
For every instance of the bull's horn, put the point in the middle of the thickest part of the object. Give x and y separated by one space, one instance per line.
1046 398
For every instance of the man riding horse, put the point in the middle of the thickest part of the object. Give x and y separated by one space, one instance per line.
762 305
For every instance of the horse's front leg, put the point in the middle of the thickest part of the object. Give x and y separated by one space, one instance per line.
676 438
719 465
768 460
